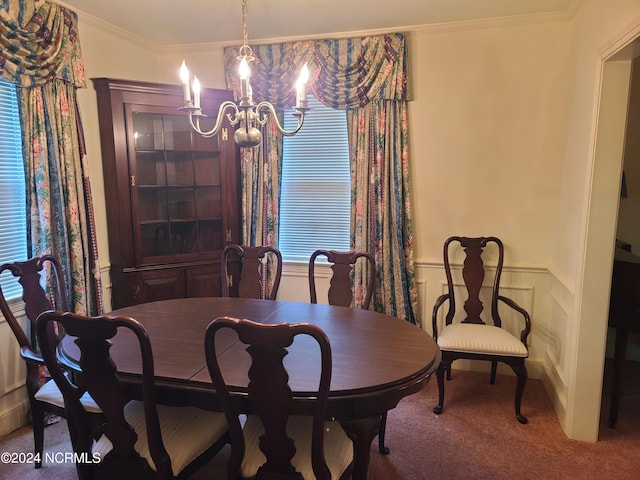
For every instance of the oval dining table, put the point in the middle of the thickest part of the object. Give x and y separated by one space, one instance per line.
377 359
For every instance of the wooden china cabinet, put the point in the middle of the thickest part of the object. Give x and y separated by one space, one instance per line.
172 196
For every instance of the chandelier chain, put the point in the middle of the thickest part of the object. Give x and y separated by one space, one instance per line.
245 50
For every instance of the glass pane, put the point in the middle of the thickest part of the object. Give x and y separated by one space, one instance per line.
181 203
209 202
207 168
177 133
155 239
150 168
210 235
202 144
147 131
179 168
152 204
183 237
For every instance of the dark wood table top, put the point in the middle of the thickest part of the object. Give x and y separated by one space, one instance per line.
377 359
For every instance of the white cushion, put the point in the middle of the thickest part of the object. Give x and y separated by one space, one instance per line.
478 338
50 393
338 448
187 432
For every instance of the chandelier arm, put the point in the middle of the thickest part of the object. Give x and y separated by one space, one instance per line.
266 107
221 112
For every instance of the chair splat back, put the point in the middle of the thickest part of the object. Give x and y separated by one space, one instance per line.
341 284
253 271
270 396
34 296
473 273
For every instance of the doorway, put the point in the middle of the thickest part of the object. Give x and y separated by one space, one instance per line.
627 249
607 175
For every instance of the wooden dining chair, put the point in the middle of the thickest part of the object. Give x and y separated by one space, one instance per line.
44 398
467 335
140 439
253 272
341 293
341 286
273 444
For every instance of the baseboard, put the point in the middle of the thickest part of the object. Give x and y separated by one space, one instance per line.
14 418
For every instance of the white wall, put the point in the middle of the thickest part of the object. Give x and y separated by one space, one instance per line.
486 134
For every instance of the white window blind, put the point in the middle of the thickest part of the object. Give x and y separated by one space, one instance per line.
316 184
13 218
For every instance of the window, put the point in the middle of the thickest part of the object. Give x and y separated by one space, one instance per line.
13 215
316 184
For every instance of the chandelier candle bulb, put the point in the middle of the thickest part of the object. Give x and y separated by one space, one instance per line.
244 70
196 92
184 76
301 87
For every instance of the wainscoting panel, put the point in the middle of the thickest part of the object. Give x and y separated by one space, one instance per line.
13 395
559 343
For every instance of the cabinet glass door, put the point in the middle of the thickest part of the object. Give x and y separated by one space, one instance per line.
176 186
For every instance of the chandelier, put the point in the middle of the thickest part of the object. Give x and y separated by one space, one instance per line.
248 116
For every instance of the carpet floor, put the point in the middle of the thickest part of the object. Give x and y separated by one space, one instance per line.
476 437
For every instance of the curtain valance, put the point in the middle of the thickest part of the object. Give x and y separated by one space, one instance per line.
39 43
344 73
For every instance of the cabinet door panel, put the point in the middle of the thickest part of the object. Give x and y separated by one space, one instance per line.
161 284
203 281
177 182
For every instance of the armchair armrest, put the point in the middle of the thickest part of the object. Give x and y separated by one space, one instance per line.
527 319
434 316
30 356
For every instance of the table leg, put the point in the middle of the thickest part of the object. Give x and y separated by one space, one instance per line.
362 432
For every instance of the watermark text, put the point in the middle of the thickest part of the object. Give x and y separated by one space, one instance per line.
49 457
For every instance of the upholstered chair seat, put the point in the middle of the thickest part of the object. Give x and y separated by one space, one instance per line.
187 432
338 448
51 394
479 338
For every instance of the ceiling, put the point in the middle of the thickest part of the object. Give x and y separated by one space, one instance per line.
211 21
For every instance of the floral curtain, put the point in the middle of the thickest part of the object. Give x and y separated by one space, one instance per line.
367 77
381 210
40 53
261 175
